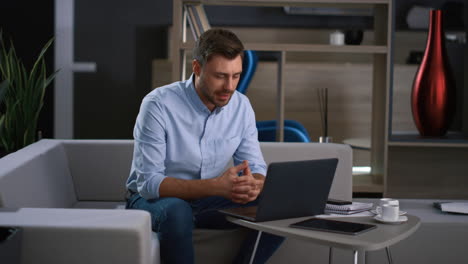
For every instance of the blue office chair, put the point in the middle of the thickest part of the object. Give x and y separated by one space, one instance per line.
293 130
249 66
291 134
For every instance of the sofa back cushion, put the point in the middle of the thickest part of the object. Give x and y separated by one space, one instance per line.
342 186
36 176
99 168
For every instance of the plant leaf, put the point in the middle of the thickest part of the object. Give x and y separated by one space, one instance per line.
3 90
41 55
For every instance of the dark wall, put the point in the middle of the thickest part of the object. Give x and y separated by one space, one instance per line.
276 17
30 24
465 95
453 12
122 37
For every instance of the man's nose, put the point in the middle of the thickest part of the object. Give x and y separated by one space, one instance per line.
230 84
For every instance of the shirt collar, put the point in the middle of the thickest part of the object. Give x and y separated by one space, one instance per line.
193 95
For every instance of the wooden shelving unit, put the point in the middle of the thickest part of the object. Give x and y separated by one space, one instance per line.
380 49
427 167
412 140
341 3
364 49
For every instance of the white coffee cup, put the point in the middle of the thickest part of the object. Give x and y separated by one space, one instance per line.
385 201
337 38
390 212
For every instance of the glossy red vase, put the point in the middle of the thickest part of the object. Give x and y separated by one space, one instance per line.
433 94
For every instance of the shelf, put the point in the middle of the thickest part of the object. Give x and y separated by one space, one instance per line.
361 49
317 48
358 143
452 139
291 2
363 183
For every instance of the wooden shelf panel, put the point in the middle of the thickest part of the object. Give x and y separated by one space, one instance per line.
364 183
448 144
342 3
362 49
358 143
452 139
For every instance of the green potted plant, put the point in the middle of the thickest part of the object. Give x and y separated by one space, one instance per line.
21 97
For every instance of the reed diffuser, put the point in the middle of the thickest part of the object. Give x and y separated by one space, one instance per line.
322 95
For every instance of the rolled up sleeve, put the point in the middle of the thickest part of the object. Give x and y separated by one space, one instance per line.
149 154
249 148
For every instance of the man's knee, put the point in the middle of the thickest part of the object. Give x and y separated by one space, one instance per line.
175 215
176 209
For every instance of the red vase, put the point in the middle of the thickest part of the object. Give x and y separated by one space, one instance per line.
433 94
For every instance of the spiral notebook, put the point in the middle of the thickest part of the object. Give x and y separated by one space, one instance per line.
355 207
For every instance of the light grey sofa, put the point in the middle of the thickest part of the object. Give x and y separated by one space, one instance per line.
68 195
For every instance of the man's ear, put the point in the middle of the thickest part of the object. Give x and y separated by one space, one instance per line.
196 67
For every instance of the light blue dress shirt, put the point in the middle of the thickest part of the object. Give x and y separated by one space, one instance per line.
177 136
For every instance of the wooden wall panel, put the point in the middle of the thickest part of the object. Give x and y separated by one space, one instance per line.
443 175
349 96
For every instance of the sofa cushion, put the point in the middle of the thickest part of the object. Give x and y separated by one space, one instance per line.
98 205
219 245
108 165
99 168
228 240
36 176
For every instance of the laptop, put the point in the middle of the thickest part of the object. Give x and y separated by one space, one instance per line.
291 189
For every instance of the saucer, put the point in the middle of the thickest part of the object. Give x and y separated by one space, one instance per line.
375 212
400 220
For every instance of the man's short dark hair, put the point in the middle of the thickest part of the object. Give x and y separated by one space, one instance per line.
217 42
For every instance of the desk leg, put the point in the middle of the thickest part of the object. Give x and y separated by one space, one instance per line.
355 255
389 255
255 247
330 256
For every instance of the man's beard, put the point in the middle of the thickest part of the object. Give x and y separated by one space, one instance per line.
211 97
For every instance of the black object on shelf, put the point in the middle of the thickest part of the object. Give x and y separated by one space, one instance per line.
10 245
353 36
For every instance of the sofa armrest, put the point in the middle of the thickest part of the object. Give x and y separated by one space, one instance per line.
82 236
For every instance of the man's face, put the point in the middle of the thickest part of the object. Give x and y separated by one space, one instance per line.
217 80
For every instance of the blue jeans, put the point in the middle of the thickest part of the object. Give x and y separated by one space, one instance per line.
174 219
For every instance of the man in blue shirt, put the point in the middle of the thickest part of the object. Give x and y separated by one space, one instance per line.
186 134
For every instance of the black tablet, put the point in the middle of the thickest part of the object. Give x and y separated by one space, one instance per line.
328 225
